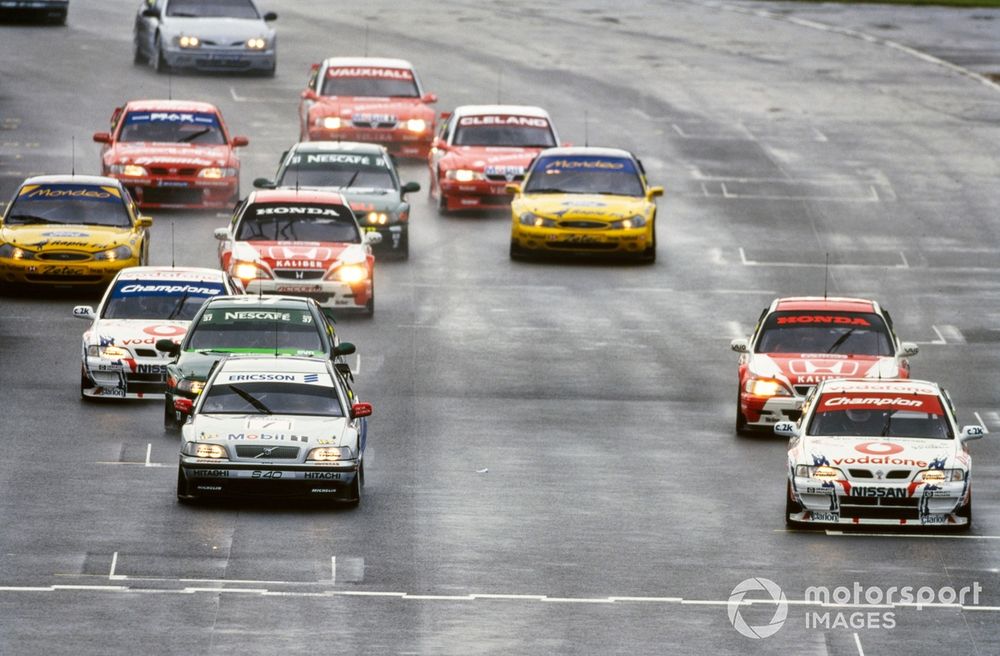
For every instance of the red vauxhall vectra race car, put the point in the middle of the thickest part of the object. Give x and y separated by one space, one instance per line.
173 153
801 341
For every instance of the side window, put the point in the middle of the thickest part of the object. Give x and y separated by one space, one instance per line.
443 129
237 213
314 78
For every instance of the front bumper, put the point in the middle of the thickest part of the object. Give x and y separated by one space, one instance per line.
330 294
173 191
203 478
143 378
53 273
879 503
477 194
221 59
765 412
562 240
398 141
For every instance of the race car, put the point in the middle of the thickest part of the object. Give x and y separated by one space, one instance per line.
480 149
206 35
51 11
141 306
244 324
802 340
364 174
173 153
275 427
879 452
77 230
584 200
368 99
302 243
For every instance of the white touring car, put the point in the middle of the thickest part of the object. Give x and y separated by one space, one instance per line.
879 452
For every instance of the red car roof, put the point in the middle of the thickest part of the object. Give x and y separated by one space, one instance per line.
298 196
170 106
831 304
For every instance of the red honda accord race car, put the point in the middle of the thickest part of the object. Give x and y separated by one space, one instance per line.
800 341
172 153
368 99
480 149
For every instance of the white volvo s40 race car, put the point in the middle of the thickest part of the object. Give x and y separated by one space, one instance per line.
879 452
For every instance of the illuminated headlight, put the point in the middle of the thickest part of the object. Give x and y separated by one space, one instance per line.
188 41
416 125
377 218
766 387
330 453
256 43
215 172
107 352
330 122
536 221
941 476
463 175
351 273
637 221
822 472
118 253
250 271
190 386
12 252
204 450
128 170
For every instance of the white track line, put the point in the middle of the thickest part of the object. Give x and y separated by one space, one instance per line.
857 643
981 422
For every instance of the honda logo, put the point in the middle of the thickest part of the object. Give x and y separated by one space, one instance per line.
840 369
299 275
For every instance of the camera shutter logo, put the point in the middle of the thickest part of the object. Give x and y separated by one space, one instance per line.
736 599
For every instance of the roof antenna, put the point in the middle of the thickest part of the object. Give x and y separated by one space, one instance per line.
826 274
366 39
499 81
586 128
73 163
173 262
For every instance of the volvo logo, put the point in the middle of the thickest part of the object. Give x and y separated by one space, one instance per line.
265 453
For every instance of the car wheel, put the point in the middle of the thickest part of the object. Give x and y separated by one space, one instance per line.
84 384
183 493
370 305
741 421
649 255
516 252
355 490
404 246
791 507
440 203
966 512
137 56
170 423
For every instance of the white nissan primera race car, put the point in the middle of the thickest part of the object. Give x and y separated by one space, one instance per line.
141 306
879 452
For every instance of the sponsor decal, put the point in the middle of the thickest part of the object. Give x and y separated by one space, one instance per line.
321 475
252 315
193 118
864 401
338 158
881 492
509 172
65 233
366 71
208 473
841 369
831 319
521 121
164 330
878 460
69 191
146 289
298 257
299 264
879 448
151 369
279 437
295 211
233 378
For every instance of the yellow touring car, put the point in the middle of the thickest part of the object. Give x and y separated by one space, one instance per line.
71 230
584 200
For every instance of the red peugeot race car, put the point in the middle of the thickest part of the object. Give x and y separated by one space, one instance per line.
301 243
172 153
800 341
368 99
480 149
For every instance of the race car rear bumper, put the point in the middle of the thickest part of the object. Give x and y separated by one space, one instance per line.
200 479
478 194
398 141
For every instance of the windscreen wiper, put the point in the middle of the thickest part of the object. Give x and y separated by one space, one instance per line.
840 341
179 306
888 423
193 135
251 399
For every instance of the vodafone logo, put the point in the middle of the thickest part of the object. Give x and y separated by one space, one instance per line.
164 330
878 448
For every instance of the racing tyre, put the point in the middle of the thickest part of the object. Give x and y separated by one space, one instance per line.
84 383
649 255
355 498
370 305
440 203
404 247
170 423
741 421
183 495
517 253
137 56
791 507
965 511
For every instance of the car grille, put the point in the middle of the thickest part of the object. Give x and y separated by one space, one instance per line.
146 353
378 125
587 225
164 170
803 390
582 245
64 257
45 277
228 62
500 177
880 508
895 474
294 274
172 196
277 452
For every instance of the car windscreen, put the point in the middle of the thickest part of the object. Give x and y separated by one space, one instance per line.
212 9
68 204
820 331
584 174
172 127
300 222
337 170
272 394
369 81
880 415
155 299
499 130
255 330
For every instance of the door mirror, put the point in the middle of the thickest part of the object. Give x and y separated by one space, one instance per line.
309 94
429 98
150 12
184 406
102 137
239 142
270 16
83 312
372 238
144 221
973 432
786 429
444 116
168 346
740 345
512 188
409 188
344 348
653 192
222 234
361 410
908 349
264 183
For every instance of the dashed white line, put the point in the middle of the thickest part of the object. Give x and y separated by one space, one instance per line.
857 643
114 565
926 536
333 568
981 422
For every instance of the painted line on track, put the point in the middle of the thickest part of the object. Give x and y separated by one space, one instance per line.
745 261
857 643
982 423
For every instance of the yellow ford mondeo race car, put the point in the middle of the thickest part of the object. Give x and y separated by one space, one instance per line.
71 230
584 200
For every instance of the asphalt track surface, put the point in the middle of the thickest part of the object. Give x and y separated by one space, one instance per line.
552 467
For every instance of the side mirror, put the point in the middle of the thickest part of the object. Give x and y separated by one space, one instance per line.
372 238
409 188
184 406
239 142
102 137
83 312
344 348
361 410
264 183
144 221
786 429
908 349
270 16
222 234
740 345
429 98
512 188
168 346
444 115
653 192
973 432
150 12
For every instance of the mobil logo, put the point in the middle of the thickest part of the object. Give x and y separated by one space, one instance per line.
839 368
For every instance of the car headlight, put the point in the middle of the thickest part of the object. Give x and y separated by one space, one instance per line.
250 271
108 352
128 170
329 453
822 472
766 387
215 172
463 175
351 273
117 253
204 450
637 221
256 43
377 218
941 476
12 252
416 125
186 41
529 219
329 122
190 386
